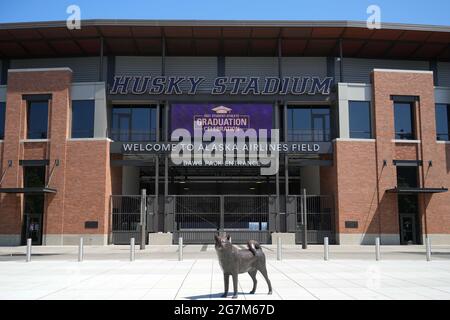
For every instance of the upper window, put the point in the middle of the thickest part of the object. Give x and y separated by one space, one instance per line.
404 121
360 120
407 177
2 120
33 176
442 122
309 124
37 120
83 112
133 123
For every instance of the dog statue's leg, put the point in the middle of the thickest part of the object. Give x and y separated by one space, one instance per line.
253 276
235 285
226 282
263 270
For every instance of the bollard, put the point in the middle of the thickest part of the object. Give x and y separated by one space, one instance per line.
80 250
325 249
132 249
279 249
180 249
377 249
28 250
428 245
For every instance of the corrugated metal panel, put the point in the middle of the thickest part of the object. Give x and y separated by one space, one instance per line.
358 70
194 67
138 66
251 66
84 69
304 66
444 74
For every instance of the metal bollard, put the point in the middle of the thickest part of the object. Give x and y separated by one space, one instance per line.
180 249
428 245
132 249
28 250
326 249
80 250
279 249
377 249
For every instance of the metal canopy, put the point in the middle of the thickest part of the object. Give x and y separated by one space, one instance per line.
416 190
41 190
224 38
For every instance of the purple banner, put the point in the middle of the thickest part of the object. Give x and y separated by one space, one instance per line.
221 117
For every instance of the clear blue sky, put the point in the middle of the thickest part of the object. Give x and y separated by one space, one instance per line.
403 11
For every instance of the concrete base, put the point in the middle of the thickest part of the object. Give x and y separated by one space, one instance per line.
160 239
367 239
74 239
438 239
10 240
286 238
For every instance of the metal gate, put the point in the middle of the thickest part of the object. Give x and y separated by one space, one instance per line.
320 218
198 218
126 217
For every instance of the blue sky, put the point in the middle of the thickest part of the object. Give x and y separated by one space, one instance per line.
403 11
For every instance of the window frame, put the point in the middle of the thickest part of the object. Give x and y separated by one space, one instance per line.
447 106
412 110
327 131
2 120
29 104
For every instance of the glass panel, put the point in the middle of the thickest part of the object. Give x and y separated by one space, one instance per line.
34 204
407 203
37 120
83 112
33 177
309 124
407 177
2 120
442 121
135 123
359 117
403 115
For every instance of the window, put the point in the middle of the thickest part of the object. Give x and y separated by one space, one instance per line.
407 177
133 123
360 120
83 112
2 120
37 120
404 121
309 124
442 122
34 176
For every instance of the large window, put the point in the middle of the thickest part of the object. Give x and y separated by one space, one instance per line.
360 120
407 177
37 120
404 121
2 120
83 112
33 176
309 124
442 122
133 123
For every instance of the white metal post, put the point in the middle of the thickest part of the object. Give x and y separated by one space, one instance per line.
377 249
28 250
428 245
80 250
143 217
180 249
325 249
132 249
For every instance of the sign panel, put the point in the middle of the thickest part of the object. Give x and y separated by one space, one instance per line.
221 118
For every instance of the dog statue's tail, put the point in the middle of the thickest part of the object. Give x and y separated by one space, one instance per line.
253 246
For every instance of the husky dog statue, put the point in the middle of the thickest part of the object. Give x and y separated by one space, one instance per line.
234 261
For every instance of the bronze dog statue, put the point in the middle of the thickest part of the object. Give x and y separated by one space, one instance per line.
234 261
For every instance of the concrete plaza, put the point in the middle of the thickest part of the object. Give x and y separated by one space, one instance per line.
107 273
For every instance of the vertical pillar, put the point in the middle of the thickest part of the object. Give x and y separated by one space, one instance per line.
143 216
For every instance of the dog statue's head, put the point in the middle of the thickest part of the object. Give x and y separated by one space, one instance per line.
222 242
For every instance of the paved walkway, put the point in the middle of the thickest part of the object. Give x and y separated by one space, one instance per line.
202 279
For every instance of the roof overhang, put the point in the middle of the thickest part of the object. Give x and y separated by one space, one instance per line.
416 190
42 190
225 38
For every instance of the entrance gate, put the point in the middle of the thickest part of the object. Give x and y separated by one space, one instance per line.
198 218
320 218
126 218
